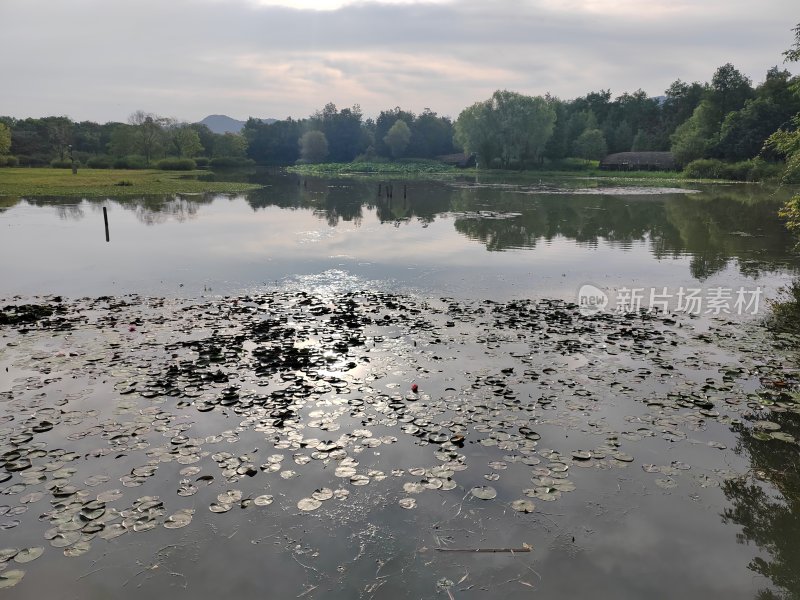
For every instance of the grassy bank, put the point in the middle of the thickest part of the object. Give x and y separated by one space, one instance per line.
427 169
400 167
111 182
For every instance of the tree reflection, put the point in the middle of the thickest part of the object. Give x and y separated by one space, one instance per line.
766 504
720 225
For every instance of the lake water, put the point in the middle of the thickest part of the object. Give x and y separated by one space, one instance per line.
221 402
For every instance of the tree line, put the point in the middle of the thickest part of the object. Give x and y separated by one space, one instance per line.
725 119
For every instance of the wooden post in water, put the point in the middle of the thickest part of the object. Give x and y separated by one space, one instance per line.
105 219
404 191
379 190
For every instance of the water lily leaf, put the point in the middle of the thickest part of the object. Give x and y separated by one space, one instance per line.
179 519
308 504
11 578
523 506
484 492
27 555
263 500
667 483
407 503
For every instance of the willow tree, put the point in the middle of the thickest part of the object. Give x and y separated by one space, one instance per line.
508 128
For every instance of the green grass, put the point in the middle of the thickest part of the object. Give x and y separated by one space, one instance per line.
427 169
102 182
400 167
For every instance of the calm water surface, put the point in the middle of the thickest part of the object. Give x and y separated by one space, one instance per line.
540 240
344 299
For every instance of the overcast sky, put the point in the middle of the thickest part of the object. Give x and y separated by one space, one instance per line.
102 59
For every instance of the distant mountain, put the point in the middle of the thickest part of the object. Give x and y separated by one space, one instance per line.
226 124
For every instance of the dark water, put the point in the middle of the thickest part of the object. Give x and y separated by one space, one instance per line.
690 485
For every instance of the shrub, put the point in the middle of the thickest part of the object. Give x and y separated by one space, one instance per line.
705 168
31 161
133 161
177 164
756 169
229 162
62 164
201 161
99 162
763 170
8 161
785 313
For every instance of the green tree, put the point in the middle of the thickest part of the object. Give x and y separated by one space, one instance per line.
397 138
623 138
509 127
343 130
744 132
591 145
5 139
385 121
313 146
679 103
476 134
187 141
787 143
695 137
59 132
230 144
431 135
644 142
729 90
148 133
123 140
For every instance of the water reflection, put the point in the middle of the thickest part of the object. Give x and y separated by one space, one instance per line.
718 224
543 239
767 504
149 210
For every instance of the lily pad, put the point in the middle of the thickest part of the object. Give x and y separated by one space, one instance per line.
308 504
11 578
484 492
523 506
27 555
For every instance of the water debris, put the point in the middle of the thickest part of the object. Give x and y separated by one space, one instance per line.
525 548
216 400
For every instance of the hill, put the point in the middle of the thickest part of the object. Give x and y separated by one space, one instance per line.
226 124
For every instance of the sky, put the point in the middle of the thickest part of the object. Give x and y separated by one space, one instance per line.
101 60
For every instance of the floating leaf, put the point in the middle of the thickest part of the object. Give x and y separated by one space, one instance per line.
27 555
407 503
524 506
11 578
484 492
309 504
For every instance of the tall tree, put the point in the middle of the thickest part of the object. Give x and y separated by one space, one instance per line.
509 127
343 130
148 133
313 146
591 145
397 138
230 144
186 141
5 139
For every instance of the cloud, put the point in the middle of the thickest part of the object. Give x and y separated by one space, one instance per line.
100 60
